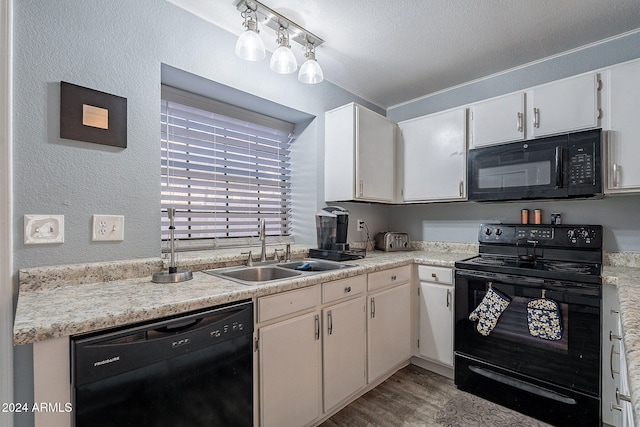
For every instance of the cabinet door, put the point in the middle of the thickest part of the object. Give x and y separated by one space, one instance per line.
290 371
435 157
497 120
389 329
375 159
563 106
623 137
344 350
436 323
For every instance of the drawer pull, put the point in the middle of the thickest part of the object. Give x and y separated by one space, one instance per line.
394 277
613 336
347 289
434 275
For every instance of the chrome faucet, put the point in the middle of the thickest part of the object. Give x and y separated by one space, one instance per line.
263 240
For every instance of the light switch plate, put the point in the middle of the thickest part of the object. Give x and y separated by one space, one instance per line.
108 228
40 229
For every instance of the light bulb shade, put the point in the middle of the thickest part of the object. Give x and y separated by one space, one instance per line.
310 72
250 46
283 61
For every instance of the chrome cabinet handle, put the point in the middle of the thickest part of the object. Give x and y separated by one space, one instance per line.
373 308
613 336
611 362
347 289
330 322
461 188
393 278
519 122
620 396
448 298
317 327
536 117
361 190
615 174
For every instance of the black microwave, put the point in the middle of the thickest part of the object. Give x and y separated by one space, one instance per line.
555 167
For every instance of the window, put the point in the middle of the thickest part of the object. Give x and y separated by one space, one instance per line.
224 169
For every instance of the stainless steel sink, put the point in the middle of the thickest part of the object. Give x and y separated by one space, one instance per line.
256 275
310 264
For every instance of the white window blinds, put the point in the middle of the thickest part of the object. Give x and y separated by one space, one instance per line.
223 169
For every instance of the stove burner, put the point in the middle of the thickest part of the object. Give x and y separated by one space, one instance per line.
569 267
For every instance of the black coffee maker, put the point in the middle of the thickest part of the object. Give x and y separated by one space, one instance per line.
332 224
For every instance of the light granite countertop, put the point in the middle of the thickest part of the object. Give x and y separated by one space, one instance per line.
68 300
74 299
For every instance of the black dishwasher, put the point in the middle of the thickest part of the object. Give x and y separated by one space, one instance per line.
193 370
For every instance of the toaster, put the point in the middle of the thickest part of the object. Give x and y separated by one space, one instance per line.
392 241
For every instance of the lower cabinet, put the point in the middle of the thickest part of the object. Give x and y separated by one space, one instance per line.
290 368
388 322
344 350
435 314
616 408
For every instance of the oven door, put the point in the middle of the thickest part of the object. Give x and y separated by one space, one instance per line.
554 380
519 170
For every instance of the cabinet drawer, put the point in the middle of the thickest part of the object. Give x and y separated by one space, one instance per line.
435 274
388 277
333 291
274 306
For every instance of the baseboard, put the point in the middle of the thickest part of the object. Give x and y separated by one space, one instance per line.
445 371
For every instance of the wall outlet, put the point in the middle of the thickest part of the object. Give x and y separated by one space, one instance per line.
360 225
108 228
39 229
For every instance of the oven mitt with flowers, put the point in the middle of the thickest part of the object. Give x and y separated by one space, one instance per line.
543 318
489 310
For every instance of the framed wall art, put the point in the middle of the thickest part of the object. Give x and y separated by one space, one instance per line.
92 116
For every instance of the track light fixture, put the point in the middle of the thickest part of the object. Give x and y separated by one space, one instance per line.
250 46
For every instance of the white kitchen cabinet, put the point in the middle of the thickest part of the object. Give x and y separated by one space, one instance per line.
290 376
497 120
289 353
615 411
623 136
435 157
563 106
344 350
359 155
388 328
435 319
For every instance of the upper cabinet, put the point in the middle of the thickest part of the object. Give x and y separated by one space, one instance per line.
435 157
623 136
497 120
359 155
563 106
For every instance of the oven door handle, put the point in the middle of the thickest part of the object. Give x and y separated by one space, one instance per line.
522 385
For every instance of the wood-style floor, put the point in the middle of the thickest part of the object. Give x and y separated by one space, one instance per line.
410 398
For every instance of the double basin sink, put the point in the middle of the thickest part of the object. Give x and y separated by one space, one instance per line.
272 271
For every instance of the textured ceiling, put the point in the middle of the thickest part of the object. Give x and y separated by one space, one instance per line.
392 51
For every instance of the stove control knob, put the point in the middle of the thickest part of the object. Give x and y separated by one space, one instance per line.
498 231
571 234
487 231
